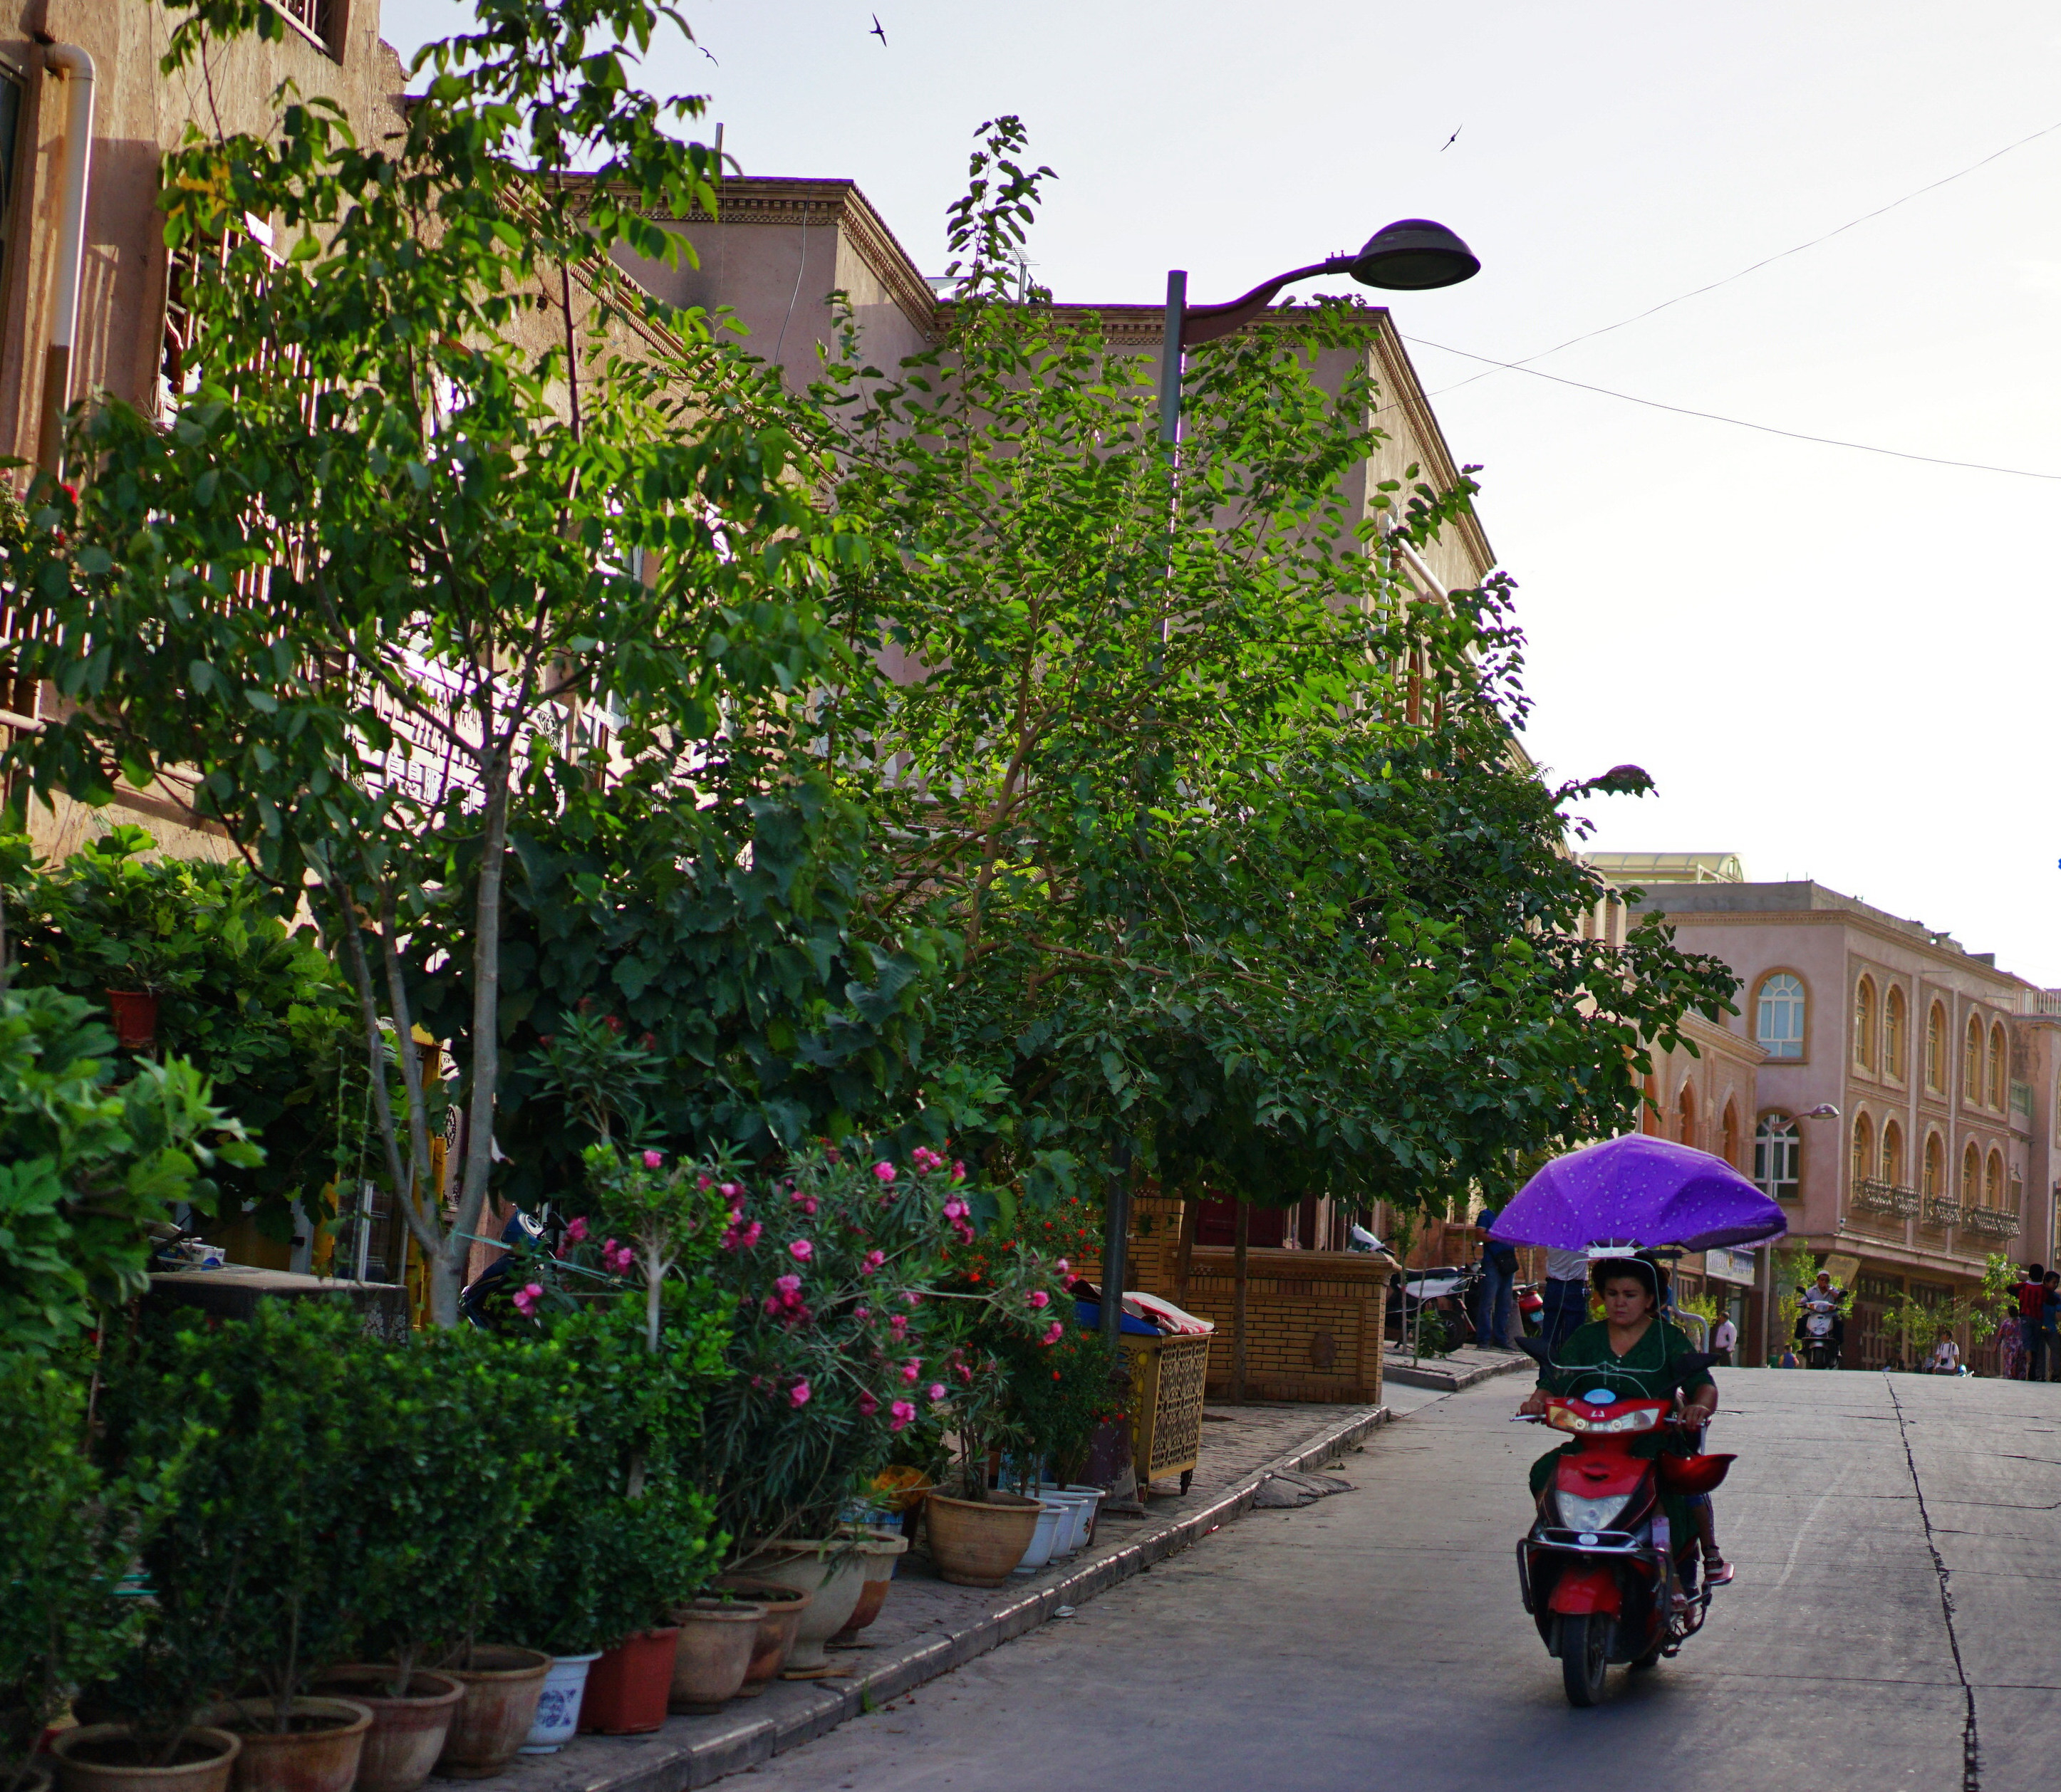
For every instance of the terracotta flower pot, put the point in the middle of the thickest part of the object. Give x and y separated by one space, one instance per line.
881 1549
828 1568
135 1017
782 1607
408 1732
319 1751
103 1758
979 1542
627 1689
718 1639
502 1685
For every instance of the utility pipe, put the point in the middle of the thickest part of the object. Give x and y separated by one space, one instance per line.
75 67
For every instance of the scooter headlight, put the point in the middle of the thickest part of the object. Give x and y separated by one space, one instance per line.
1641 1420
1577 1514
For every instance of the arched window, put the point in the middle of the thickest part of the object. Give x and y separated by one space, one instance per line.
1864 1024
1892 1154
1779 1016
1936 1050
1893 1031
1863 1149
1774 1156
1972 1062
1971 1177
1999 1069
1686 1115
1935 1169
1731 1139
1993 1183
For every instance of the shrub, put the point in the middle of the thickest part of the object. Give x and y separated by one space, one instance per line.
67 1536
86 1165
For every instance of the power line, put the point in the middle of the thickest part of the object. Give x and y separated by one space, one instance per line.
1769 261
1738 422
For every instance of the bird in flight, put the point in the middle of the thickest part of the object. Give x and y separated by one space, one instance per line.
876 32
1448 142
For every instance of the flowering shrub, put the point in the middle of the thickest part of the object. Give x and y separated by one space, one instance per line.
851 1329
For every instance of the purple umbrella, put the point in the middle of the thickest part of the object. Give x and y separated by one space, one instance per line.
1639 1191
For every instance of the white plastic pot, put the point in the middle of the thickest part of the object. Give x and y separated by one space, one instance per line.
559 1705
1044 1538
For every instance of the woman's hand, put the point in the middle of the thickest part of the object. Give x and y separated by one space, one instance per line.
1535 1406
1694 1414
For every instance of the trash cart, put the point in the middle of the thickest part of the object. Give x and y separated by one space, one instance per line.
1167 1378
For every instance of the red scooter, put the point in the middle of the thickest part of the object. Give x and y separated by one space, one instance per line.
1600 1574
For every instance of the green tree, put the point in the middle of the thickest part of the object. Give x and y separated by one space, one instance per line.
493 507
1249 879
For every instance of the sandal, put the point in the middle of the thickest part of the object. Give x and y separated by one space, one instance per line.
1717 1571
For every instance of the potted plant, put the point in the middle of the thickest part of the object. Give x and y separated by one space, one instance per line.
68 1532
465 1431
254 1567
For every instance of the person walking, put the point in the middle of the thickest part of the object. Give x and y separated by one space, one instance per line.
2046 1356
1723 1341
1567 1298
2031 1292
1499 1283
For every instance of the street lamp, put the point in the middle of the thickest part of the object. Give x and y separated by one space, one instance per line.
1413 254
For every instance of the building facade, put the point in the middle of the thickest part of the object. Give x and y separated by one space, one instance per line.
1940 1069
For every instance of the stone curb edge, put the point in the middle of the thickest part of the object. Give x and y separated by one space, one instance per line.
703 1763
1448 1381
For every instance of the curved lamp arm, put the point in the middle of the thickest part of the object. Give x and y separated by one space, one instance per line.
1205 323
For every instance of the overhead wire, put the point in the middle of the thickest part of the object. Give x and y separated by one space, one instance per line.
1738 422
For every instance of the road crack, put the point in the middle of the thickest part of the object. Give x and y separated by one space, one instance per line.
1971 1770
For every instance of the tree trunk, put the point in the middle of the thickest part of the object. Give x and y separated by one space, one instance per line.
447 1268
1241 1235
1116 1228
1184 1255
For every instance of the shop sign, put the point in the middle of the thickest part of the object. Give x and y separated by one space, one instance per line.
1731 1265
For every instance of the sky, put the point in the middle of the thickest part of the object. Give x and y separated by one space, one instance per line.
1829 660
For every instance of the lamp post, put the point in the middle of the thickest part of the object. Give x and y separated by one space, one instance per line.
1413 254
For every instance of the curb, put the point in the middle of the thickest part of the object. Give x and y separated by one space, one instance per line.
1452 1380
746 1742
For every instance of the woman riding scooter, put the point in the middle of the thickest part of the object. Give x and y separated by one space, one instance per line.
1633 1350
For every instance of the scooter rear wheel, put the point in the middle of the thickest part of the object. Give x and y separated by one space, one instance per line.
1585 1645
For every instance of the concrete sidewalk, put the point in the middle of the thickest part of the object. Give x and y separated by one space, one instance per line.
928 1628
1448 1374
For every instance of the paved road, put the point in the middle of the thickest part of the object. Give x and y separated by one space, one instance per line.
1896 1623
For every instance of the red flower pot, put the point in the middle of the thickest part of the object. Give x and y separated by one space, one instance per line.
135 1017
627 1689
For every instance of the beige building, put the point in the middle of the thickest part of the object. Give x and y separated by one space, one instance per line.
1942 1069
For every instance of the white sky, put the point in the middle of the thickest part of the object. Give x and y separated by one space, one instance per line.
1838 664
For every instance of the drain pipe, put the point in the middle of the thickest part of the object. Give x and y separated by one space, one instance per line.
76 67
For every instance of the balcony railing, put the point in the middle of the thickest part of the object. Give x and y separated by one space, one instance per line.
1941 1212
1886 1200
1992 1222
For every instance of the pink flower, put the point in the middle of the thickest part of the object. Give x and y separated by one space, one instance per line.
884 1170
805 1203
653 1159
801 1250
956 1209
741 1236
798 1395
731 1191
1039 1298
872 1261
867 1405
912 1370
617 1257
526 1298
902 1411
925 1160
705 1182
898 1325
1063 1267
1053 1332
912 1297
576 1231
936 1391
861 1313
790 1289
959 1173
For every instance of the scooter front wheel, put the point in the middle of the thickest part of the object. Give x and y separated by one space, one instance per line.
1585 1642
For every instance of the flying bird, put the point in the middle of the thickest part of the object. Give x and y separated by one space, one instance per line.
1450 141
876 32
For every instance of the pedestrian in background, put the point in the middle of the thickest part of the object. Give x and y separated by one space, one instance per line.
2049 1349
1499 1283
1723 1341
2031 1290
1566 1296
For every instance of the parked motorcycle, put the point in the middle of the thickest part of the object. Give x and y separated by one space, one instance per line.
1599 1571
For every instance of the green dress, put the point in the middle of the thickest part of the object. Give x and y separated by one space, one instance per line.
1649 1370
